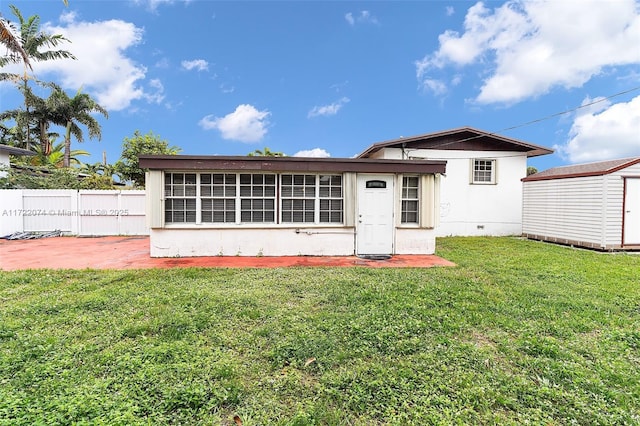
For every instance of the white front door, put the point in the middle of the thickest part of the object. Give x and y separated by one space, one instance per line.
632 212
374 232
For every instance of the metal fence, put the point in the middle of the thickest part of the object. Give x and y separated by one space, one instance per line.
83 212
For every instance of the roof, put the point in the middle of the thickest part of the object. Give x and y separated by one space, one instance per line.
289 164
582 170
15 151
462 138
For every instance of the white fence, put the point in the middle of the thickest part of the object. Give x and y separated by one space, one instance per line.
83 212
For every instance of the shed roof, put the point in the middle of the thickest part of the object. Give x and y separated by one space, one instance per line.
462 138
599 168
289 164
15 151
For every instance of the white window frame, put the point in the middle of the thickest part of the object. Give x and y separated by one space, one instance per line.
178 191
477 165
410 195
324 193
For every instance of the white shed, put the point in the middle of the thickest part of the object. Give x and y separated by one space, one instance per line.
594 205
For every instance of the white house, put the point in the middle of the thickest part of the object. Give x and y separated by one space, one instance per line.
595 205
5 152
481 193
275 206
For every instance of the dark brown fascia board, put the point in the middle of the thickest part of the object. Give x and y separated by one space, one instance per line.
15 151
534 150
534 178
289 164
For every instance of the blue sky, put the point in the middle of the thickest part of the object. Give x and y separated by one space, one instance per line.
330 78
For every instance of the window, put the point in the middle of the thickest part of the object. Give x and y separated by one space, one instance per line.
252 198
180 197
218 198
484 171
331 206
302 194
298 198
410 194
257 198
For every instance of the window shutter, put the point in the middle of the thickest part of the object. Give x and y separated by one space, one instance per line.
154 198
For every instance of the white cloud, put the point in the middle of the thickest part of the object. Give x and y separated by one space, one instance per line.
534 46
197 64
245 124
157 95
153 5
438 87
326 110
365 17
604 131
450 10
102 67
315 152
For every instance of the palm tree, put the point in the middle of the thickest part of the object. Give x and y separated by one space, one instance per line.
71 112
15 50
29 45
266 153
36 121
9 40
55 157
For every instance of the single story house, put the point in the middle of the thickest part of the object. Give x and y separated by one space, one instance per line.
594 205
5 152
276 206
481 193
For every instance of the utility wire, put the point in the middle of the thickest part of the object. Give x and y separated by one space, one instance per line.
548 117
573 109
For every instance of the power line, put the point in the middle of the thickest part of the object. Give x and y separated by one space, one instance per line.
572 109
548 117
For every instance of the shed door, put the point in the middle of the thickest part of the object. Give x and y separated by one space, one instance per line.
375 215
632 212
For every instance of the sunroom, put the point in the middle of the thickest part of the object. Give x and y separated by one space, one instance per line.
279 206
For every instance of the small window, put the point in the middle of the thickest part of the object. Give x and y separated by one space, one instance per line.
483 172
410 198
376 184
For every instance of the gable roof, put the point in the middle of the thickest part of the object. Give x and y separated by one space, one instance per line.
599 168
462 138
15 151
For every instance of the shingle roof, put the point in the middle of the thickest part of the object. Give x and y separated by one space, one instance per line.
581 170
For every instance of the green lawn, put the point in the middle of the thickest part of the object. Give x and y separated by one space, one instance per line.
518 332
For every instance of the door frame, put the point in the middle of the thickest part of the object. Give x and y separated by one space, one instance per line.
625 195
361 180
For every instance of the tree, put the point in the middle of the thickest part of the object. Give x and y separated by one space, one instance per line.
55 157
31 44
129 166
531 170
266 153
75 111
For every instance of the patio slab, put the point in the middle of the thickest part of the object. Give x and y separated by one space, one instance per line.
133 253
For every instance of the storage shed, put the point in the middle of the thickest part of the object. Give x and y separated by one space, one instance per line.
594 205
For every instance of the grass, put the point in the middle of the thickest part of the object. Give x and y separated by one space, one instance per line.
519 332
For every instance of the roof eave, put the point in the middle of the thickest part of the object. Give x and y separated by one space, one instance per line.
534 150
291 164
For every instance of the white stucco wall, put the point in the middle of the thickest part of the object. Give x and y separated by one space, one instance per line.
415 241
251 241
4 162
466 209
